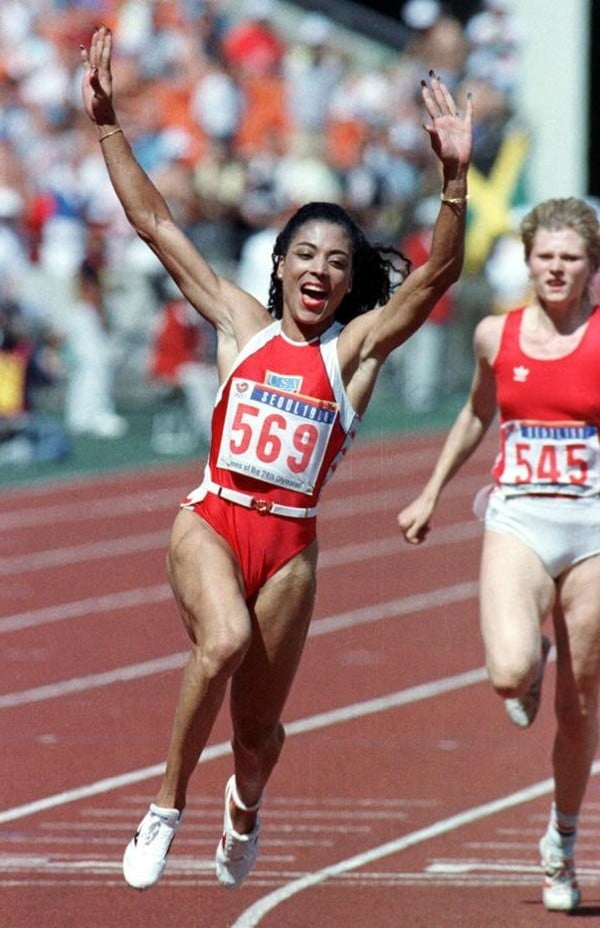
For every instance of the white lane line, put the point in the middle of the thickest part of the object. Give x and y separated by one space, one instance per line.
101 786
405 605
361 465
93 681
386 499
300 726
331 558
91 606
76 510
77 554
131 545
389 545
394 608
254 913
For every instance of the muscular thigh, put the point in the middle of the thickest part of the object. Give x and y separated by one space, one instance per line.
281 617
206 579
261 543
577 619
516 593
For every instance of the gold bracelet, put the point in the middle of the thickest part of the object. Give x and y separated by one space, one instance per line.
453 200
108 134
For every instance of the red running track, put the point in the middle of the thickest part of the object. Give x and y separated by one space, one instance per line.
403 797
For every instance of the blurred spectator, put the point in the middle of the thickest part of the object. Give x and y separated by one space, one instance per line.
252 46
217 104
436 40
231 106
253 51
14 259
312 69
29 361
262 195
183 360
505 270
296 181
494 113
256 256
89 403
422 360
495 41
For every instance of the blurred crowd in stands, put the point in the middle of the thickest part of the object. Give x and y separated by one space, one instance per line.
239 111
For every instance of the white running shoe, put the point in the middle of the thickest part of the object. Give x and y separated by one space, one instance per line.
561 891
522 711
146 854
236 854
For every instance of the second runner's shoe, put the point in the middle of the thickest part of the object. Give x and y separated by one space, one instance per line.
561 891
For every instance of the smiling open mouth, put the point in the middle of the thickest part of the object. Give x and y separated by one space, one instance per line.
313 295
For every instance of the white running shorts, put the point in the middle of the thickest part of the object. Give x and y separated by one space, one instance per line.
562 530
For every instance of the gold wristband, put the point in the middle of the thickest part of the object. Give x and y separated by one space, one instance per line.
453 200
108 134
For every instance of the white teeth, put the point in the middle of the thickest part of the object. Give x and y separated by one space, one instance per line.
311 291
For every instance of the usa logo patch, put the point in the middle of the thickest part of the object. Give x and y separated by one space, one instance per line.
291 383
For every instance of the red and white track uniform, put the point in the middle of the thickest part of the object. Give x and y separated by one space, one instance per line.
547 472
549 416
281 425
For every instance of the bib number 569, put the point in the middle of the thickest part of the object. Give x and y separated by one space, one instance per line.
272 437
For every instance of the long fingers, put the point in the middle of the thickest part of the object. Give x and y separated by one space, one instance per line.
440 102
443 97
105 48
435 97
100 48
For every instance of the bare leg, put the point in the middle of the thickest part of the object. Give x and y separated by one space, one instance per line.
219 625
577 630
516 593
261 684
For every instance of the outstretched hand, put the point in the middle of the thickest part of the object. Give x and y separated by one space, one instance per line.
451 133
96 87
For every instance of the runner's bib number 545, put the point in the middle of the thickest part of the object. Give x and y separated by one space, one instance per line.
549 457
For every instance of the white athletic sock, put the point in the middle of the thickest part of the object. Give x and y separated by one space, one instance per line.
562 832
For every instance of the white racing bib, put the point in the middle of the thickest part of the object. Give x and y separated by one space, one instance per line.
550 457
274 435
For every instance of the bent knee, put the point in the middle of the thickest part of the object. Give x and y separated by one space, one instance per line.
511 678
221 655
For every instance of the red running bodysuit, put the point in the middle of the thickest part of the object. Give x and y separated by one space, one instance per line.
281 424
549 415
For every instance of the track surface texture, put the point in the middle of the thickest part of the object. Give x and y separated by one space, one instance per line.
403 797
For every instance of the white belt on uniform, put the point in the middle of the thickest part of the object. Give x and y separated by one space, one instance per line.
259 503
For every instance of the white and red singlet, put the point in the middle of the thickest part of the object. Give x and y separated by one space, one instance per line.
281 425
549 416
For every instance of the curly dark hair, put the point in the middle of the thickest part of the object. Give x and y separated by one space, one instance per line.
377 269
